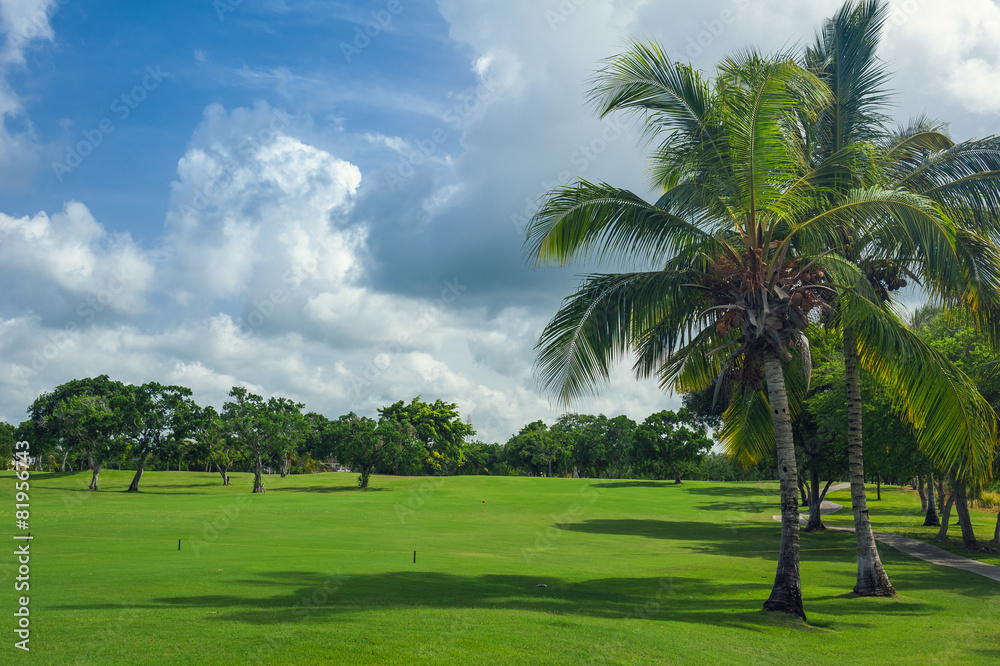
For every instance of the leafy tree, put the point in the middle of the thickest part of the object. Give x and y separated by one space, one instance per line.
670 442
248 424
8 438
480 458
89 422
287 430
154 413
212 432
359 444
538 448
438 426
48 432
586 435
619 434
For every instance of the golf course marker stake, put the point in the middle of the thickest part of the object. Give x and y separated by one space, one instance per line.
178 544
414 557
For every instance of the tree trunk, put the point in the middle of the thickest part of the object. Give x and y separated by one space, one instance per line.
996 532
805 491
97 473
286 466
677 476
920 491
222 471
258 482
964 520
931 517
942 495
815 523
90 460
62 467
786 595
363 479
878 487
872 579
134 486
945 517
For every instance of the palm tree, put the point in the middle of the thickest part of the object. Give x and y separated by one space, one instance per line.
725 297
940 248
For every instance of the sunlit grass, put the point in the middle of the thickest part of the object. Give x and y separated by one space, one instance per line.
316 571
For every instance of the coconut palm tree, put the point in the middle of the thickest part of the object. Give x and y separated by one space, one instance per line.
944 252
726 296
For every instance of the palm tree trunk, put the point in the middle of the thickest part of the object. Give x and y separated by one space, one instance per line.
920 491
872 579
941 495
931 518
786 595
964 520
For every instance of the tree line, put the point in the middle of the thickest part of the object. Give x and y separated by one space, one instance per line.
98 422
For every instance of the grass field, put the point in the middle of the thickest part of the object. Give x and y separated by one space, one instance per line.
317 571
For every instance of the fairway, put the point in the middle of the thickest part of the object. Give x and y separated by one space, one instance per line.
316 571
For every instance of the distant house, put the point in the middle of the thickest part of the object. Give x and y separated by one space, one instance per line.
333 465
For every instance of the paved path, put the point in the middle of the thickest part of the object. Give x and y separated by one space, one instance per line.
919 549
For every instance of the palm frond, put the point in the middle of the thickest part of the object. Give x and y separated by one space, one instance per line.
956 428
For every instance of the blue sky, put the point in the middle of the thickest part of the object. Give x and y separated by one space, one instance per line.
268 199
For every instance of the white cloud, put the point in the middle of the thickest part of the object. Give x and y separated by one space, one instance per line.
70 255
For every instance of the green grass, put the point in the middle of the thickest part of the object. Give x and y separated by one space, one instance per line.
316 571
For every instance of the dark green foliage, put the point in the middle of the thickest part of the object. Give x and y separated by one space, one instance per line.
670 444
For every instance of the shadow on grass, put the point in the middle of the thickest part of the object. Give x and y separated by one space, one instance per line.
694 600
636 484
330 489
749 490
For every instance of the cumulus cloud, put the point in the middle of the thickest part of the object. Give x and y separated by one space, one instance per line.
67 265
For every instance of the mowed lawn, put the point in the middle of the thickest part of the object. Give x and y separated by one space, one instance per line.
316 571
